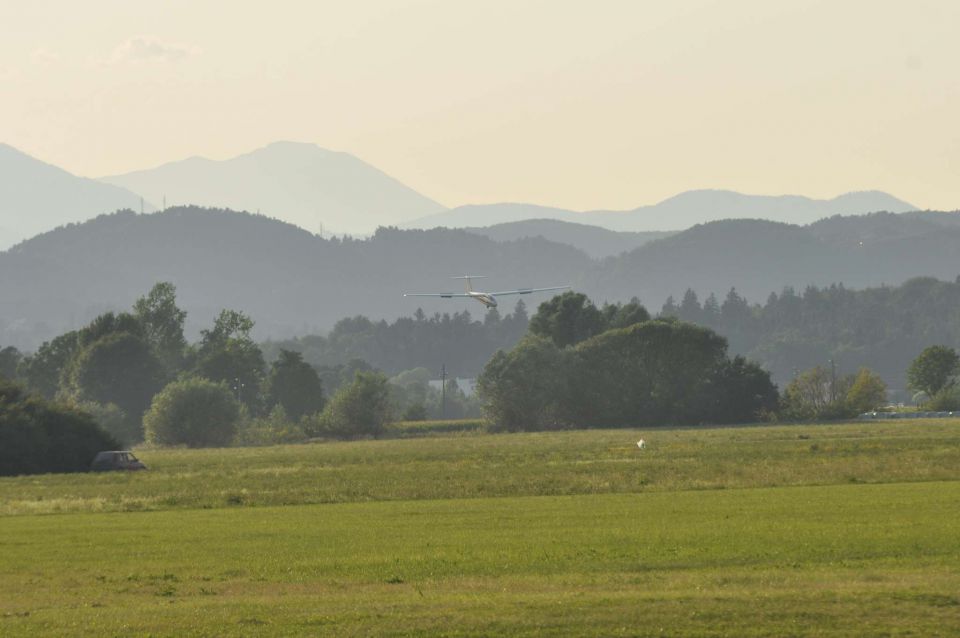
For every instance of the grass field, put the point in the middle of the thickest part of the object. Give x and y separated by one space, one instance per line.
847 529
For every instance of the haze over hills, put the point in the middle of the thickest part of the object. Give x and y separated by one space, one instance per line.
36 196
292 282
595 241
678 212
302 184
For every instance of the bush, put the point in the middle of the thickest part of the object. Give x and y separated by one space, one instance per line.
409 429
360 409
39 436
415 412
194 412
947 400
274 429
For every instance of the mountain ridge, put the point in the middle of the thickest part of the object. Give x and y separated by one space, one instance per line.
330 191
678 212
596 241
36 196
316 188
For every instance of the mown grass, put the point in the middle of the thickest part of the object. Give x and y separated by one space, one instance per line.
845 529
834 560
547 463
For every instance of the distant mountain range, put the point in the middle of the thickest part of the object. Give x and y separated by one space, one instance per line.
302 184
36 197
336 193
677 213
293 282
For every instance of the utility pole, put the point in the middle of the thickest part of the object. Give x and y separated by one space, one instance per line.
443 391
164 202
833 380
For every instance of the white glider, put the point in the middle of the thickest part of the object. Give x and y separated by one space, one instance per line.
488 299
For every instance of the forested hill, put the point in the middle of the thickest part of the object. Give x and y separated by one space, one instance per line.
759 257
290 281
293 283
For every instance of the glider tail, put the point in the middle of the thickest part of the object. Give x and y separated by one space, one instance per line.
468 278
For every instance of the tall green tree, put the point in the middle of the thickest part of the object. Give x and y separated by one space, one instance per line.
526 388
110 323
295 385
42 370
162 322
118 368
228 354
624 316
567 319
710 314
935 369
690 309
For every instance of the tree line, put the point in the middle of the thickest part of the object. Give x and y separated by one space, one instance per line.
578 365
137 376
458 341
879 328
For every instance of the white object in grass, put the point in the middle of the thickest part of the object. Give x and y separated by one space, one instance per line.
641 444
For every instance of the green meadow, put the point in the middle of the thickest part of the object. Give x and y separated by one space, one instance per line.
802 530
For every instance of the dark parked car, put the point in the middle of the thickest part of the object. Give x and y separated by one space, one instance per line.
116 460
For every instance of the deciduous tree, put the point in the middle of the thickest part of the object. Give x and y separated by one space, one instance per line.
39 436
228 354
867 392
162 323
934 369
295 385
524 389
567 319
359 409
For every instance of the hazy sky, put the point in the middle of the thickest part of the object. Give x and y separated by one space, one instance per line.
592 104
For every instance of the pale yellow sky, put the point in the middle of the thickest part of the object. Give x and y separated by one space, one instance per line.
592 104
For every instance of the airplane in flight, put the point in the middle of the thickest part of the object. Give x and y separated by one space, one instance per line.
488 299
